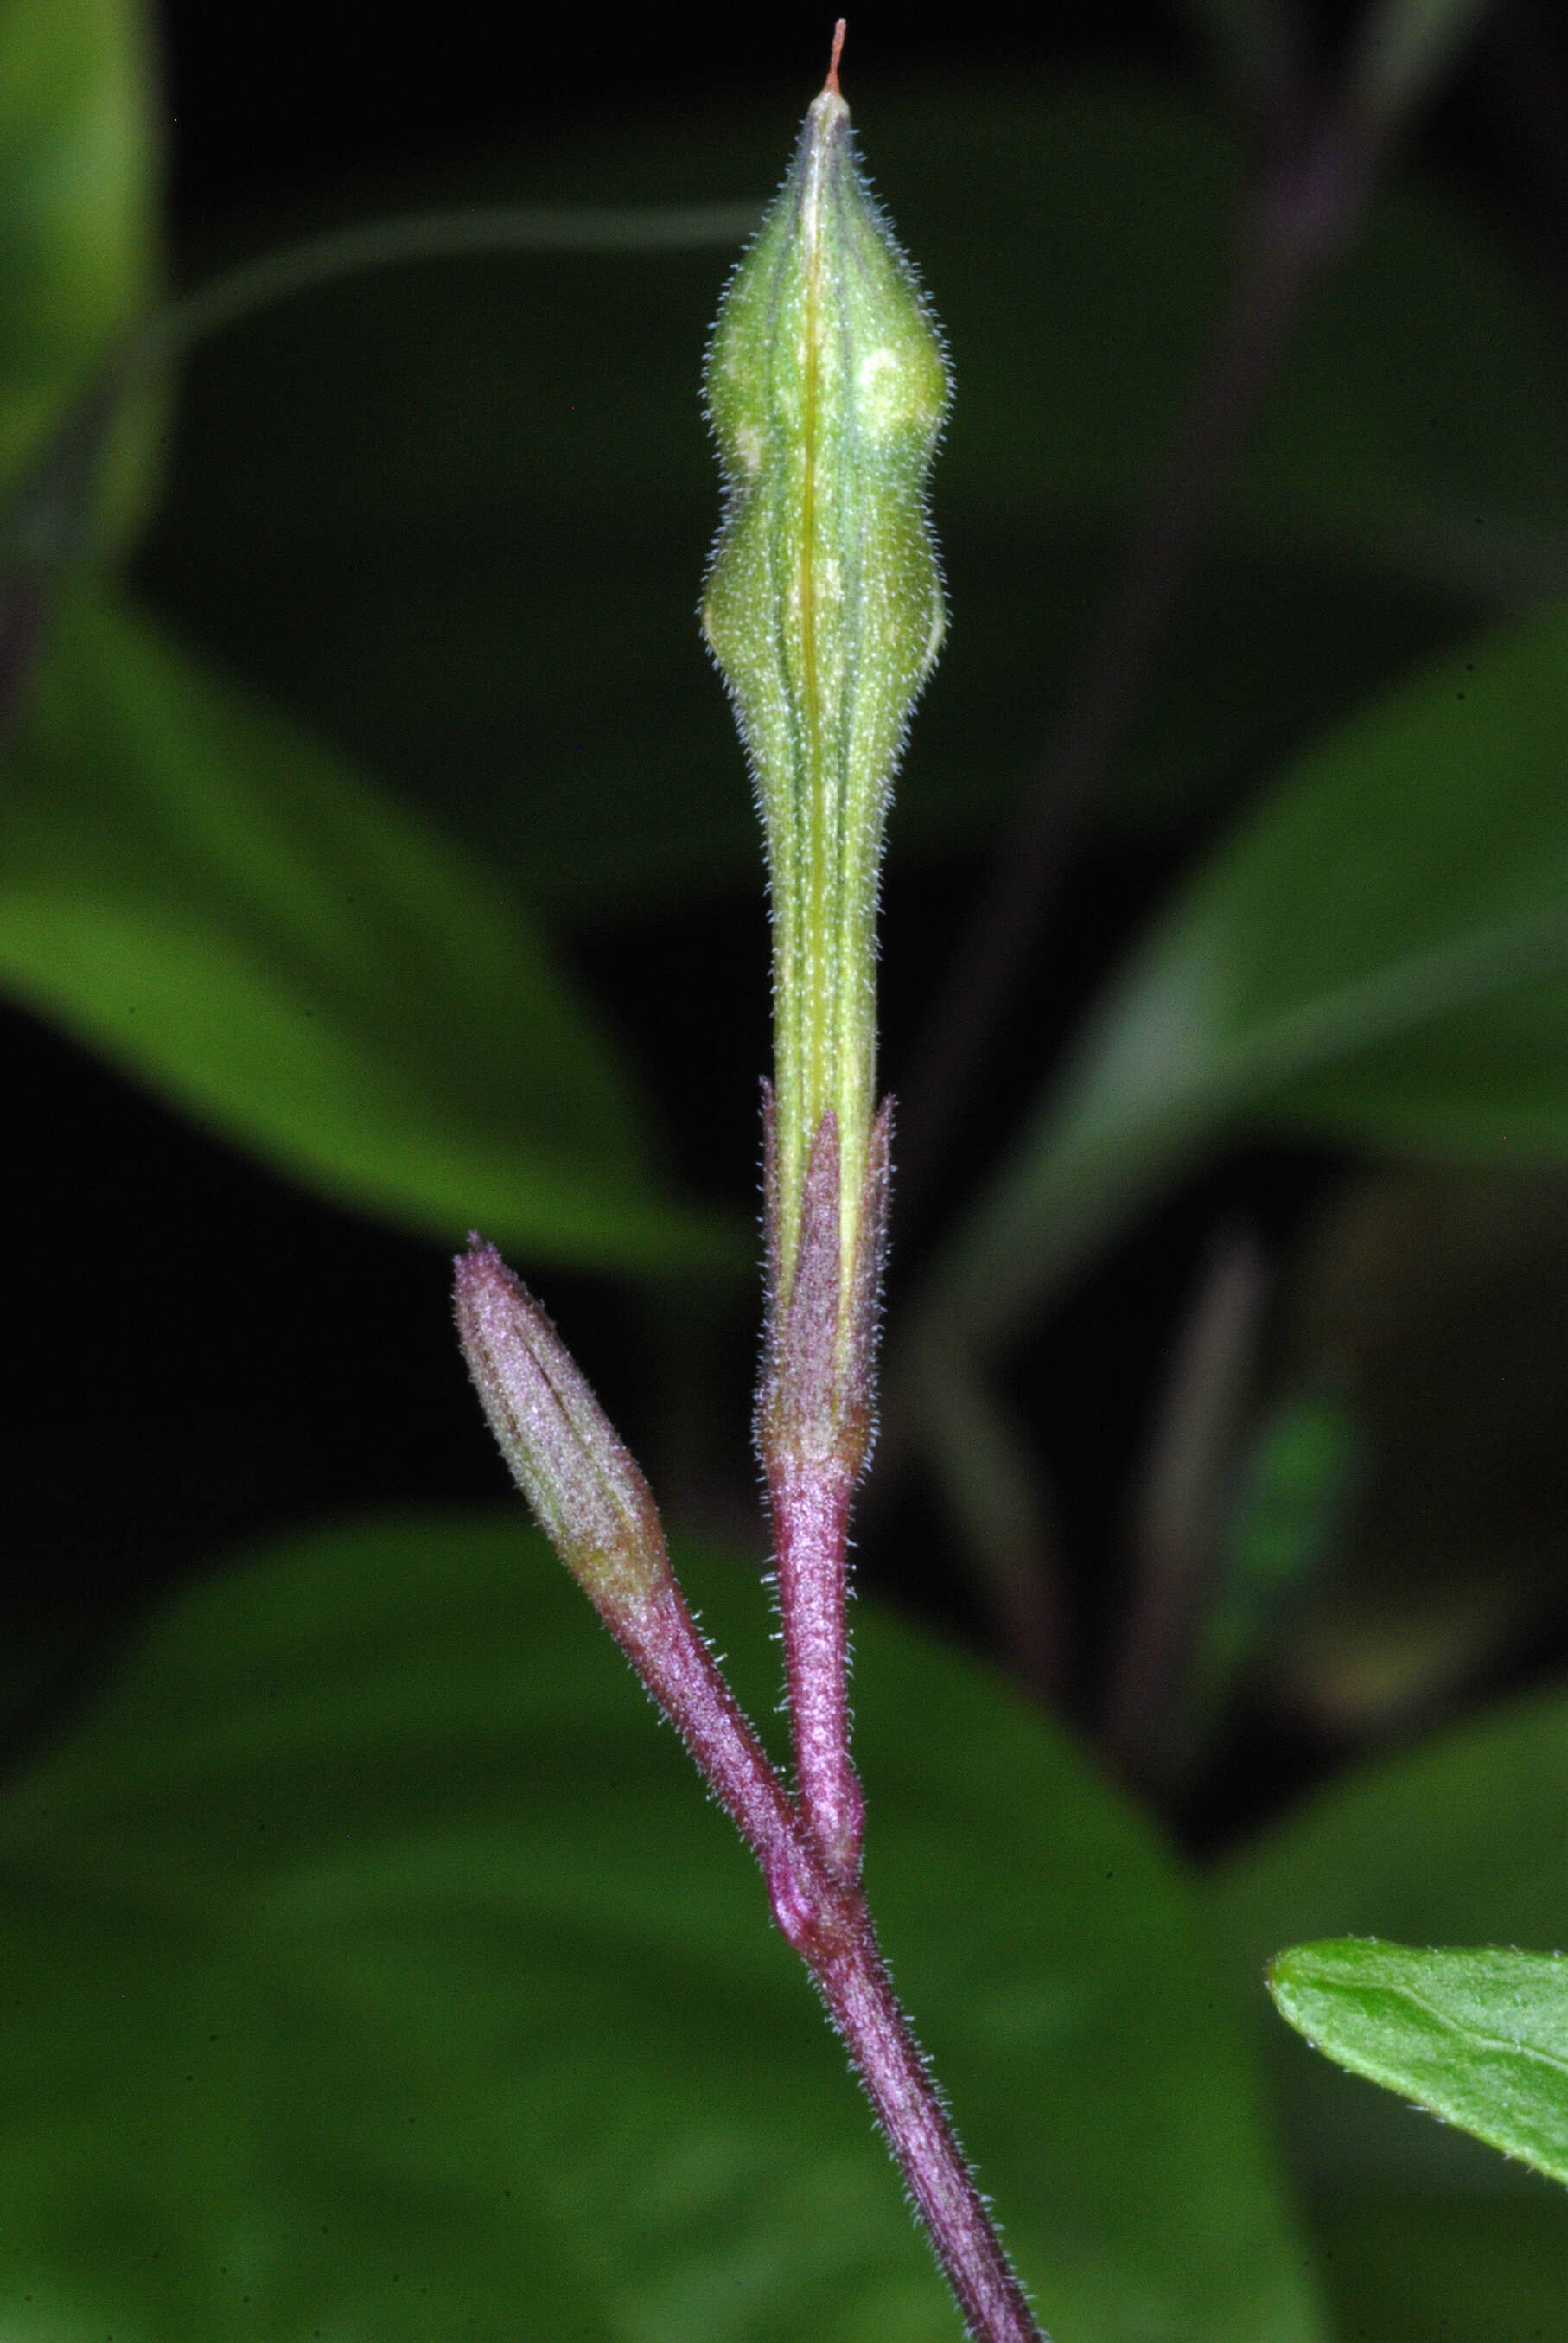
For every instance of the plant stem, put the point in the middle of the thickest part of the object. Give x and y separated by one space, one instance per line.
826 387
592 1502
810 1510
814 1418
815 1410
822 1914
1179 1513
838 1945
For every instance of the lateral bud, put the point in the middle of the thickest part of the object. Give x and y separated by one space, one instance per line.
586 1490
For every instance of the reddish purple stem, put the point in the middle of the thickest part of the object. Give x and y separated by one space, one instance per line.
860 1999
810 1521
815 1419
826 1920
823 1915
814 1427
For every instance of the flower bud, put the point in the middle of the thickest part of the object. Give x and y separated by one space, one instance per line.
826 388
587 1492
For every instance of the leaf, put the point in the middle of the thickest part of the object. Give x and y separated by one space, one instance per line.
198 890
1479 2039
1454 1842
458 515
1422 2229
372 1955
1377 954
78 167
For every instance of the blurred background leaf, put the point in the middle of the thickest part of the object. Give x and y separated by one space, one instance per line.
1427 1309
1375 953
215 902
79 265
1419 2265
374 1965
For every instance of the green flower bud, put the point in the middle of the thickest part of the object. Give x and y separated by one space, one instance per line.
826 387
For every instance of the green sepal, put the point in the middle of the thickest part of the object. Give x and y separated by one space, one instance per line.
826 386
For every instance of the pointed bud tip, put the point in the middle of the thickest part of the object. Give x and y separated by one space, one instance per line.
480 1276
586 1490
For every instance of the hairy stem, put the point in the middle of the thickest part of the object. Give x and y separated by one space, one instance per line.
592 1502
838 1944
822 1914
815 1410
811 1521
814 1418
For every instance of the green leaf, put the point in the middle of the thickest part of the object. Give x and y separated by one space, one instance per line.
1454 1842
1457 1841
203 893
1376 954
373 1963
456 513
78 163
1479 2039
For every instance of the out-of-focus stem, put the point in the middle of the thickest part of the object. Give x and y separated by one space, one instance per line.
1307 203
1178 1515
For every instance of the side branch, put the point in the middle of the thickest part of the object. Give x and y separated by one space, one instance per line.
593 1504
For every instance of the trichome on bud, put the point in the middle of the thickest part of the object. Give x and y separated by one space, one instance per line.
827 388
587 1492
